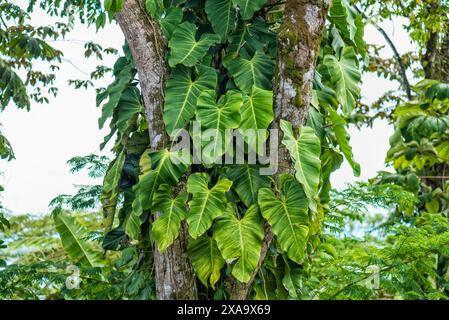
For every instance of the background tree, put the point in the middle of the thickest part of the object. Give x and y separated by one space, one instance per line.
418 112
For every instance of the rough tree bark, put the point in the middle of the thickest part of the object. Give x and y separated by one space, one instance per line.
173 272
299 40
430 57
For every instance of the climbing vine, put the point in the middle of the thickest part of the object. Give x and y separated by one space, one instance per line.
221 57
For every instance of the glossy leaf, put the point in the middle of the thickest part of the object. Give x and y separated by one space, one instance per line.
185 49
219 116
206 204
247 181
339 127
348 22
110 192
345 76
240 239
72 233
288 216
206 259
257 109
165 228
250 37
305 152
158 168
124 72
170 21
182 92
257 71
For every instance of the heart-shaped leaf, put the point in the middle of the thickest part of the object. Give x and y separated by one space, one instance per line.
257 71
240 239
182 92
221 15
345 76
218 115
305 152
287 215
206 259
165 228
206 204
185 49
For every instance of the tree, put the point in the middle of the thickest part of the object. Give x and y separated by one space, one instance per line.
211 224
418 147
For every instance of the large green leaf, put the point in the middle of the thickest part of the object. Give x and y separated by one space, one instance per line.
154 8
251 37
165 228
157 168
257 114
434 89
240 239
134 220
206 259
349 23
315 121
305 153
443 150
206 204
287 215
184 47
170 21
72 237
339 126
292 278
221 15
345 77
182 92
128 106
257 109
428 125
248 7
247 181
124 72
162 167
218 115
257 71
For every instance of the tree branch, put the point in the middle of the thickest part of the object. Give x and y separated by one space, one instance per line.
402 69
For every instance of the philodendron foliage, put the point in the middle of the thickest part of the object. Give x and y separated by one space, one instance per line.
221 58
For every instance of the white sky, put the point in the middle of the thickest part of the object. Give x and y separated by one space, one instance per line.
50 134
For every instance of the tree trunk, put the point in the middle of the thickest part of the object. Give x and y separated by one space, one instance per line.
299 40
173 272
431 56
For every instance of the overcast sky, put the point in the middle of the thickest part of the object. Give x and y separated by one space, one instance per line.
50 134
